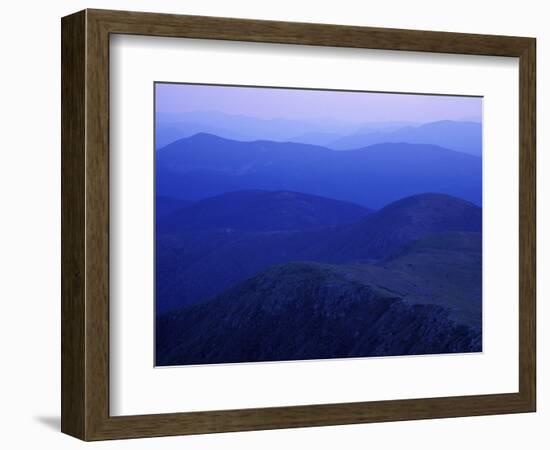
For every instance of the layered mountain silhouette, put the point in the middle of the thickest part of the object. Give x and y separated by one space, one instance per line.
171 127
193 266
204 166
268 250
459 135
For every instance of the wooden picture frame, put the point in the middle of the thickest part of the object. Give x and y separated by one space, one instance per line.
85 224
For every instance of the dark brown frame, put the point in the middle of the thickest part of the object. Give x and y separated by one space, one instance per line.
85 224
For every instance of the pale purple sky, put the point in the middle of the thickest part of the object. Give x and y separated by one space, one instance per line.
299 104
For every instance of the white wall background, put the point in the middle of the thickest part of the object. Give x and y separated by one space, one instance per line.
30 221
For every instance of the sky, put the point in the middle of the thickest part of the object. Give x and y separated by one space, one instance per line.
302 104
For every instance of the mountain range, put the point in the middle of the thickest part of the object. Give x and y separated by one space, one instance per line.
172 126
460 135
194 265
205 166
315 242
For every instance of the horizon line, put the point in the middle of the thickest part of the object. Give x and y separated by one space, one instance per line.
319 119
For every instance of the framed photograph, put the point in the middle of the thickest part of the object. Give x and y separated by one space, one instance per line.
273 225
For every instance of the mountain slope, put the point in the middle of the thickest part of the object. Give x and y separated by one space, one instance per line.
443 269
167 133
406 220
262 211
306 311
204 166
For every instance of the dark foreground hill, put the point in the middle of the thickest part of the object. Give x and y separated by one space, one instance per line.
307 311
258 210
440 269
205 165
192 266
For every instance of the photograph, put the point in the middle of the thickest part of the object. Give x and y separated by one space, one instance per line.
242 225
308 224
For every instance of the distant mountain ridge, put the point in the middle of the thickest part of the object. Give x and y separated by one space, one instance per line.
173 126
166 134
464 137
205 165
461 135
